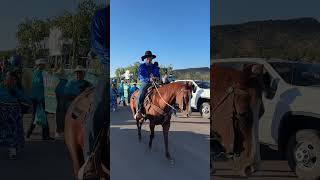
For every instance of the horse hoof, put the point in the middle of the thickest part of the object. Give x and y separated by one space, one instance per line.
246 172
172 162
212 172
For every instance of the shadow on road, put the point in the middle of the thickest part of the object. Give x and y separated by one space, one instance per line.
190 151
273 166
39 160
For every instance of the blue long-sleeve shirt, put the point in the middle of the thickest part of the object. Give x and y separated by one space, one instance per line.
60 87
145 70
100 36
75 88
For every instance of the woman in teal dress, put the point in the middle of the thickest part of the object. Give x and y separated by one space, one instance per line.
75 87
60 109
12 104
38 98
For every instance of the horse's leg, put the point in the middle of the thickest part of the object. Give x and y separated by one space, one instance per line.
77 158
151 134
166 128
246 159
139 130
255 138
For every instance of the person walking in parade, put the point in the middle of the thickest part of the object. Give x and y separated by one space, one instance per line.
113 95
13 103
126 87
75 87
147 73
38 98
61 109
121 93
132 89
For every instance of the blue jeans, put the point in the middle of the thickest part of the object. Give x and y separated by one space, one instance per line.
142 94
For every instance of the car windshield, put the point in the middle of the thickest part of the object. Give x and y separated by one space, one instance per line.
203 84
299 74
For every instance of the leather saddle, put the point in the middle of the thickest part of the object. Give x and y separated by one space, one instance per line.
148 104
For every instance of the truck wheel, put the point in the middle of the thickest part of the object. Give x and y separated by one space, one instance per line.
303 154
205 110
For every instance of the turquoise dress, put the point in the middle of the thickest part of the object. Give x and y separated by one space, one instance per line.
11 124
75 88
37 85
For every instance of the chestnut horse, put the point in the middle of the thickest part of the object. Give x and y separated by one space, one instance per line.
158 108
236 104
74 135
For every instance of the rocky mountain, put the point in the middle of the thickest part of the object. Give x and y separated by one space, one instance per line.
202 73
287 39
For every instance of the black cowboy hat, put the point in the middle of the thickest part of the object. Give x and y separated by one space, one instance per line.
148 54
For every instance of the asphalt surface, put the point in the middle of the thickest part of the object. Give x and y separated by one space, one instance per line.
39 159
188 144
273 166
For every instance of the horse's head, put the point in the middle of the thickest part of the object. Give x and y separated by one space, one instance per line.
183 98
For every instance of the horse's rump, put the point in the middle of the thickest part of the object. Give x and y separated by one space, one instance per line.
74 133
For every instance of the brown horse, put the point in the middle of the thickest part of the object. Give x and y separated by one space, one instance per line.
74 135
158 108
236 101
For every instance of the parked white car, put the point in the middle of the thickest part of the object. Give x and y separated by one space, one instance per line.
200 96
291 121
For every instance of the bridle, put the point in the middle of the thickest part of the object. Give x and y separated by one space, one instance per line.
236 115
231 91
158 109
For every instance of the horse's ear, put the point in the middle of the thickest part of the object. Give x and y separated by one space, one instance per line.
257 69
189 86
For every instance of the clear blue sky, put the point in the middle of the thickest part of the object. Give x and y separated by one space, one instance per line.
13 12
240 11
178 32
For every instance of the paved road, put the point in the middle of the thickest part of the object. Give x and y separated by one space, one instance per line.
188 141
131 160
273 167
39 160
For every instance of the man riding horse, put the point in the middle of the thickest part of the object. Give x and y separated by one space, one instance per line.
147 73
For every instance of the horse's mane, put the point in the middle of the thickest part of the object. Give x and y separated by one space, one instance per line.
223 78
172 87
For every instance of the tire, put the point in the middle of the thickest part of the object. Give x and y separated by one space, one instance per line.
305 146
205 110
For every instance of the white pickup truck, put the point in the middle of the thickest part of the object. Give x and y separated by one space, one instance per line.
291 121
200 96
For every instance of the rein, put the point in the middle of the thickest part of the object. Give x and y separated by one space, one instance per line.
230 90
159 110
154 84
